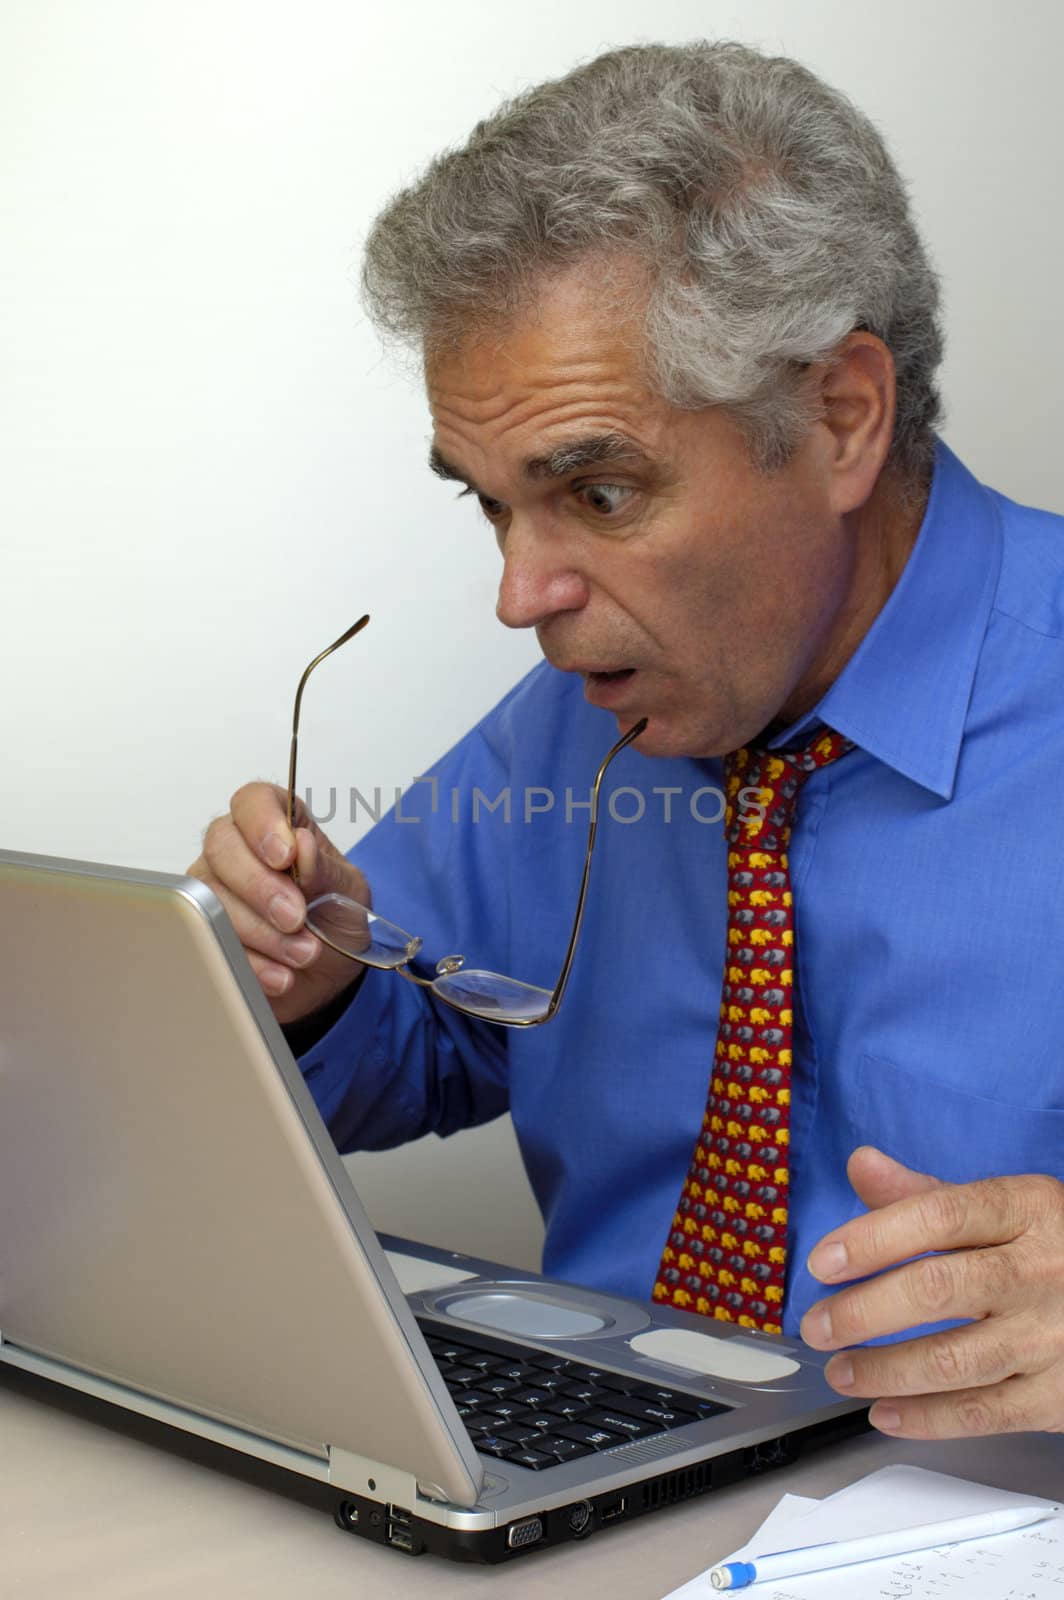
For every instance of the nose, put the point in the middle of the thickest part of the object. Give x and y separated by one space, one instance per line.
537 581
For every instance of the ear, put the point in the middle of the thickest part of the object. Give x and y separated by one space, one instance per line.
857 418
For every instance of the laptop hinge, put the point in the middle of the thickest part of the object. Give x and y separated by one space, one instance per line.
176 1416
364 1476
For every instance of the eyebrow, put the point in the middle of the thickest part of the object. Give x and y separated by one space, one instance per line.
588 451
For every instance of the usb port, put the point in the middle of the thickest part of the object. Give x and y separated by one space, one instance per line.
400 1529
613 1509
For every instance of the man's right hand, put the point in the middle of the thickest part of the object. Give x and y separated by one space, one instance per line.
245 859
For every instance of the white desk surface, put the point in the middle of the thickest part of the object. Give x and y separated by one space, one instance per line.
95 1505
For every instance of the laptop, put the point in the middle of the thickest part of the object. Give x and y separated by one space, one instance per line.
179 1237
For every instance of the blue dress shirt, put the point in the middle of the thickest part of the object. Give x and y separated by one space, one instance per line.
928 876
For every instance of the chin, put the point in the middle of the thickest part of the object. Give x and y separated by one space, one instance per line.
668 739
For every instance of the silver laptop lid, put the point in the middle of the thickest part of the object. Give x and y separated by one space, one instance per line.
165 1221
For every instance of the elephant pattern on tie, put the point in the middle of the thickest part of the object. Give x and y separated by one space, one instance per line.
726 1253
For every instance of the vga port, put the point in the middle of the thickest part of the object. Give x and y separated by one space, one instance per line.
528 1531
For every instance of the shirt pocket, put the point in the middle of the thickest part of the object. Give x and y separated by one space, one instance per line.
949 1132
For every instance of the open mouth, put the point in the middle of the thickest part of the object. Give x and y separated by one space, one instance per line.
608 689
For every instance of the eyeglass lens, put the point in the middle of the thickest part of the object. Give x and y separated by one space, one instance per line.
357 932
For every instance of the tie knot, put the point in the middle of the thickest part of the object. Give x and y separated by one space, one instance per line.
762 788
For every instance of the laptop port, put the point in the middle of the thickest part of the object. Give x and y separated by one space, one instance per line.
613 1510
579 1517
528 1531
400 1530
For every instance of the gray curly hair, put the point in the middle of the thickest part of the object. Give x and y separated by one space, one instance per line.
762 205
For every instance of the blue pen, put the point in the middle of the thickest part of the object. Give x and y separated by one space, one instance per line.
899 1542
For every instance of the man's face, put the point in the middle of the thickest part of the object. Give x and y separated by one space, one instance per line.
683 585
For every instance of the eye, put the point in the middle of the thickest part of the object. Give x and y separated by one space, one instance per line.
492 509
604 498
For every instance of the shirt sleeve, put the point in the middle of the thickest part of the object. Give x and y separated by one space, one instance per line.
398 1063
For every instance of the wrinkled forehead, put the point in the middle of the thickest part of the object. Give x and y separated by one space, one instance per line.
568 365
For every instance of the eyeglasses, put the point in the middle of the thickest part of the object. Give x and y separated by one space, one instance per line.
355 931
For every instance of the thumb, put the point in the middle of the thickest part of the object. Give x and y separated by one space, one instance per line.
879 1180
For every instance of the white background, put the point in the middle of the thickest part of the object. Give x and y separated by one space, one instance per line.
207 468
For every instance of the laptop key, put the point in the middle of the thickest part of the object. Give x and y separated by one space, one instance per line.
588 1393
648 1411
516 1371
447 1353
564 1449
593 1375
483 1360
490 1384
520 1434
535 1460
564 1406
545 1360
618 1422
664 1397
492 1445
597 1438
461 1377
530 1397
553 1381
617 1381
506 1409
473 1399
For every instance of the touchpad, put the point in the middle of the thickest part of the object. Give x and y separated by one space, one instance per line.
519 1313
733 1359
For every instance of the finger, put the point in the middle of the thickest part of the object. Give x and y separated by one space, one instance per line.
259 811
946 1217
270 894
255 934
934 1288
1018 1405
972 1356
274 980
879 1180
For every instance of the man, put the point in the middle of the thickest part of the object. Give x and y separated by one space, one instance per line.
679 339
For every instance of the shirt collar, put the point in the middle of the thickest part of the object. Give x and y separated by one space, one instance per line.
903 696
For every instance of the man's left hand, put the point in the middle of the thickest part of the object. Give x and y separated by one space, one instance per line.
1001 1264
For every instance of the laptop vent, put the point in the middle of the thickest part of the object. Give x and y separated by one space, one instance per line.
674 1486
716 1473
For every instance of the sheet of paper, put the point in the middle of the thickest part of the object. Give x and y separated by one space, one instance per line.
899 1497
780 1520
1027 1565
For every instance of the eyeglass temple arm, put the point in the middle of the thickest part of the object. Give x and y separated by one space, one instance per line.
563 977
356 627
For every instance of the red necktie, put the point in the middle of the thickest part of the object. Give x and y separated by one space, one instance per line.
727 1249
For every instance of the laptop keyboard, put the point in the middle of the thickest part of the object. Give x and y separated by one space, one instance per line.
536 1410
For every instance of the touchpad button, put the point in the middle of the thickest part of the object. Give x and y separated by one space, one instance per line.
524 1314
733 1359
